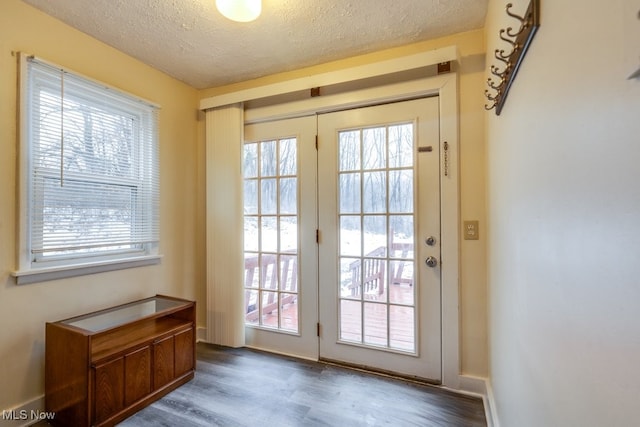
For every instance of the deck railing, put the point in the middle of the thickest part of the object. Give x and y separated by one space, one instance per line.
367 277
267 271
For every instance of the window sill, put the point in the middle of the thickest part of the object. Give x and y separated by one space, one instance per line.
53 273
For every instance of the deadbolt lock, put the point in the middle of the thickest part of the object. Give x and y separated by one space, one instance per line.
431 261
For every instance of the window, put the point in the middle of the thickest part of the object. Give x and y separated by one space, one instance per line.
89 172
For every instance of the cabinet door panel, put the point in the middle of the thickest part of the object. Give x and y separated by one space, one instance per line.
109 390
184 352
163 353
137 368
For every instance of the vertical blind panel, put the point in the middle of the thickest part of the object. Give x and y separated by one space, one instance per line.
94 166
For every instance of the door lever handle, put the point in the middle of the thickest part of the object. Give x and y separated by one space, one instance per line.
431 261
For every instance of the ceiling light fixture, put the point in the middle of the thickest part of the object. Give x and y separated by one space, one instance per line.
240 10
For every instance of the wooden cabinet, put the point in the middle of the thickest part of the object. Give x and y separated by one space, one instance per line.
102 367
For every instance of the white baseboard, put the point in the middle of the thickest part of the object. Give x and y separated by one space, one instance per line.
481 387
491 408
24 415
201 333
472 385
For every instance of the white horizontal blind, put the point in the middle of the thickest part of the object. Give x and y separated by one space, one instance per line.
93 168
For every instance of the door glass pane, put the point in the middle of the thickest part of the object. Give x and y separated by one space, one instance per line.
375 324
374 191
375 234
401 191
269 197
271 234
350 236
288 273
401 328
401 282
350 200
251 234
268 271
350 278
349 142
401 231
251 304
401 146
288 234
250 196
374 150
269 309
288 196
268 159
250 157
288 157
351 321
251 270
288 318
376 237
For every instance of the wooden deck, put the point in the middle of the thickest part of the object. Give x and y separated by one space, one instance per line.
385 310
401 318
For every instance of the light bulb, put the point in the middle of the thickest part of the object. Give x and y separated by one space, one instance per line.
240 10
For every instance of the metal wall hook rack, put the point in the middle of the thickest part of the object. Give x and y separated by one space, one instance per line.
511 58
635 74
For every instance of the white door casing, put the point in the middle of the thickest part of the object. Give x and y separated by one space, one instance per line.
446 87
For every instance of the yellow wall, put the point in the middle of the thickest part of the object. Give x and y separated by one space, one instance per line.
25 309
473 295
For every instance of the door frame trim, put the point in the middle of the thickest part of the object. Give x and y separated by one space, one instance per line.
386 67
445 86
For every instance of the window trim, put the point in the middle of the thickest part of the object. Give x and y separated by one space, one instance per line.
27 271
24 277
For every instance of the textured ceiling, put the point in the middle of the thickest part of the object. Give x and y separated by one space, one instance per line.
191 41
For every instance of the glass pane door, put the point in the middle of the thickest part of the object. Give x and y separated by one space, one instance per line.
379 201
280 221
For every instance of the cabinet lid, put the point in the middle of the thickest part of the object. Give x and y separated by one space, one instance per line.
126 313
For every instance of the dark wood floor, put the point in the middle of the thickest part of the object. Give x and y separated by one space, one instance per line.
242 387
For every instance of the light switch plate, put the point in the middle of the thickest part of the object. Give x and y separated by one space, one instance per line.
470 230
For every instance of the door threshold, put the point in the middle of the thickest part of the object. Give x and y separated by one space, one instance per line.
381 372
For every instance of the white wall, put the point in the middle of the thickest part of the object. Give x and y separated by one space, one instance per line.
564 220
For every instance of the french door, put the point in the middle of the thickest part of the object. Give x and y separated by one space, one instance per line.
280 222
372 191
379 222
